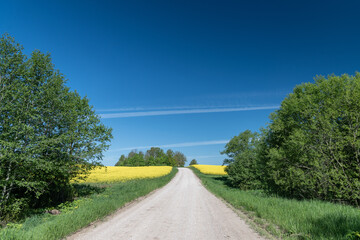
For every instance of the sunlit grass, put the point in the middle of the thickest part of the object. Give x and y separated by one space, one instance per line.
81 212
116 174
211 169
289 218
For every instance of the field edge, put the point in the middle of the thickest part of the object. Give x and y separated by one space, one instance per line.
97 207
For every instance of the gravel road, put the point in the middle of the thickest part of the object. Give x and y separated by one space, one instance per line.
183 209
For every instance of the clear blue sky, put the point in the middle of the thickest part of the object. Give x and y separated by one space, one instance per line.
161 73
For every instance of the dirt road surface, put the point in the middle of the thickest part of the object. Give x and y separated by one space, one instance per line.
183 209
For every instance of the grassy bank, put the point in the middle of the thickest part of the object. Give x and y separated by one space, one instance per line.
84 210
287 218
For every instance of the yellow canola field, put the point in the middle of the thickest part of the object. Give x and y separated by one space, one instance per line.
211 169
115 174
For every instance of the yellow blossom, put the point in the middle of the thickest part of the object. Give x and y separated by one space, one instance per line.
211 169
115 174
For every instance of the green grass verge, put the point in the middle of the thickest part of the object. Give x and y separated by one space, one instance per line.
83 211
288 218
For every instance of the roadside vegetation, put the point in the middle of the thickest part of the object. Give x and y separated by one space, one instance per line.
48 133
309 150
50 138
288 218
302 172
101 200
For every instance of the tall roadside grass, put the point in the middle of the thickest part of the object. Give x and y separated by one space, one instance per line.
288 218
83 211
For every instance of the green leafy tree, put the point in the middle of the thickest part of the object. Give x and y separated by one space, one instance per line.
180 159
48 134
243 160
313 141
138 159
13 129
170 157
193 162
122 161
155 156
134 158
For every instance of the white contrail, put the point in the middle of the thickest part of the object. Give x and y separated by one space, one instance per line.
187 111
201 157
175 145
133 109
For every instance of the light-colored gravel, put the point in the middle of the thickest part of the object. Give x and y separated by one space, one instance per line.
183 209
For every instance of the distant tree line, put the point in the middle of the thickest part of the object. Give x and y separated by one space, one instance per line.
48 134
153 157
311 147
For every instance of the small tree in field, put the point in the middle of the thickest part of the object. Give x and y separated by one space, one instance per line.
193 162
180 159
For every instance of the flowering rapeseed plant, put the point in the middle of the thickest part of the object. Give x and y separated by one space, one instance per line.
115 174
211 169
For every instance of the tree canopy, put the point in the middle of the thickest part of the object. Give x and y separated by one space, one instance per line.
153 157
311 147
313 141
193 162
48 134
243 169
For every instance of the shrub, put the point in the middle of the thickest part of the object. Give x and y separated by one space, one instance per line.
243 168
313 141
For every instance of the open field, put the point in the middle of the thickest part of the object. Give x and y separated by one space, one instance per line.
289 218
106 199
116 174
210 169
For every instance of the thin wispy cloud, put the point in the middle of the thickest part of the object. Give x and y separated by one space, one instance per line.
184 111
174 145
252 94
203 157
127 109
147 109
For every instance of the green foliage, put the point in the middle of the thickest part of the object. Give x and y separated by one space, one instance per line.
313 141
193 162
48 134
311 148
81 212
156 156
153 157
170 157
243 163
180 159
83 189
353 236
288 218
121 161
